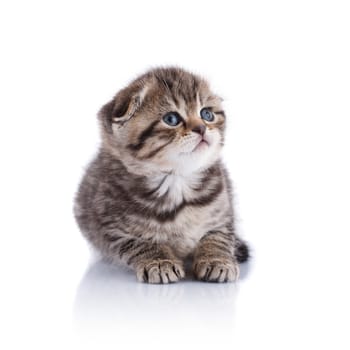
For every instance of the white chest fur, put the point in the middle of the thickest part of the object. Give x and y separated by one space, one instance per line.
193 222
177 188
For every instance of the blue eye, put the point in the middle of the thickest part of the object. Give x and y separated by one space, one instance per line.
172 119
207 115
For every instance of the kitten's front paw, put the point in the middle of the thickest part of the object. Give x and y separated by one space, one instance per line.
216 270
160 271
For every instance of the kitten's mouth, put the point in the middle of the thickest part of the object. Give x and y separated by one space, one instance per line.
202 144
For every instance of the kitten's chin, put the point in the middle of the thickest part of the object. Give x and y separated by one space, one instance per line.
202 157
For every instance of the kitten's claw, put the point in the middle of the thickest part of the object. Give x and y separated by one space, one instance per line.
160 271
218 270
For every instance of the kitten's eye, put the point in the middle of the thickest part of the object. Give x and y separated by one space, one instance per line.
172 119
207 115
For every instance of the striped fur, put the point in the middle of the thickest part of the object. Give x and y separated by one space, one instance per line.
156 194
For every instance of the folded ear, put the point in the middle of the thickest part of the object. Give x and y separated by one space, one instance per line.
122 107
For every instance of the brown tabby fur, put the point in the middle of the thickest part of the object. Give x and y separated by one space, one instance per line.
150 198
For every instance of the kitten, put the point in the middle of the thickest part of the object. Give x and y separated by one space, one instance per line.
157 191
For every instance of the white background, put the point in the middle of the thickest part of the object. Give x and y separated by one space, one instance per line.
283 69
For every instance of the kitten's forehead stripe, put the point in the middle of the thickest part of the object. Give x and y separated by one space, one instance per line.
169 86
178 84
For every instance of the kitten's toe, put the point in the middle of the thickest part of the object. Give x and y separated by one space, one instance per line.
216 270
160 271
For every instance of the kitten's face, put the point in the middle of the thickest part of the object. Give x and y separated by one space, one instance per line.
167 120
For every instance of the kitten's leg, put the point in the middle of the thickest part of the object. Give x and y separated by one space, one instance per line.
153 263
214 258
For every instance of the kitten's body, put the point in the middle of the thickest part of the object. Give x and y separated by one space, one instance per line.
157 194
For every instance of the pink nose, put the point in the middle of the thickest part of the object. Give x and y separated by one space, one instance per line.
200 129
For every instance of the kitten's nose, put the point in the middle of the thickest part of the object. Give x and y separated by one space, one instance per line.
199 128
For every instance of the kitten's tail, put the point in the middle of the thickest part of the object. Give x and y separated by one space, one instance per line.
241 251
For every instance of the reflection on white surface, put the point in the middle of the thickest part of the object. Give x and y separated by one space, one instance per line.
110 295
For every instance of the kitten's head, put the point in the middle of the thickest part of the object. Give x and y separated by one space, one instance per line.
166 120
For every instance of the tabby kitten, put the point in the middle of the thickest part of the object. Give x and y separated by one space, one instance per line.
157 191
